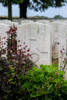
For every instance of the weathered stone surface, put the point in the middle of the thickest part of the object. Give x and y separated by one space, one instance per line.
42 36
46 39
37 36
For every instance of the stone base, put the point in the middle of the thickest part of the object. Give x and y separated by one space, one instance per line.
55 61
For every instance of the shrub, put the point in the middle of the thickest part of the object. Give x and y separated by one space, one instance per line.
7 81
46 83
14 60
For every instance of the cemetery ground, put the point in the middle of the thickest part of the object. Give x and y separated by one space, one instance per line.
26 69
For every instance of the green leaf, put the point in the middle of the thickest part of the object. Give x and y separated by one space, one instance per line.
50 88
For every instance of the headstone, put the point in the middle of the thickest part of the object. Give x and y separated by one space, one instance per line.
3 29
37 36
62 46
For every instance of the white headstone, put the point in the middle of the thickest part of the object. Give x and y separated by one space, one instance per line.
62 46
37 36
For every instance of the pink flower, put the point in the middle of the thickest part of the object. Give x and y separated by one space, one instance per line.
12 30
61 51
28 55
28 50
18 40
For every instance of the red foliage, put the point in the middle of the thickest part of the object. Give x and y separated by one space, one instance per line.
18 54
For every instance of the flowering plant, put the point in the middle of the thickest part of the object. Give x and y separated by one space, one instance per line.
17 54
15 59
